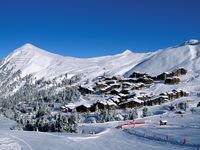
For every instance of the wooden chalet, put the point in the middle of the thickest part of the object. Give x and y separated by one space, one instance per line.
129 80
70 107
83 108
157 100
102 105
131 103
110 88
100 86
145 80
115 91
172 81
179 72
138 75
163 76
86 90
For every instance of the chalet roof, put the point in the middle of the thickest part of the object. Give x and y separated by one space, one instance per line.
133 100
114 99
62 107
117 90
102 102
110 81
87 87
111 103
107 102
122 95
70 106
87 105
157 97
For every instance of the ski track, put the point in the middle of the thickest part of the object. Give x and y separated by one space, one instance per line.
28 146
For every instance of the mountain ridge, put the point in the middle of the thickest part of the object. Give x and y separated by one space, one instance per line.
41 63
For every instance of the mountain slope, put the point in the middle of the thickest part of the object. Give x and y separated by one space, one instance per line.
32 60
185 55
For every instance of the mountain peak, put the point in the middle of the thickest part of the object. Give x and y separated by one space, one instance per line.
127 52
192 42
28 46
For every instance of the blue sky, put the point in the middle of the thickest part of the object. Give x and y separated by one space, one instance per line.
87 28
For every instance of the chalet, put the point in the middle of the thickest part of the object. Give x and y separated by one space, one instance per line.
115 91
138 75
83 108
86 90
102 105
163 76
145 80
157 100
116 99
131 103
63 109
170 95
143 97
70 107
172 80
100 86
183 71
111 104
130 80
110 88
140 85
118 78
179 72
126 84
109 82
177 94
183 93
93 108
125 91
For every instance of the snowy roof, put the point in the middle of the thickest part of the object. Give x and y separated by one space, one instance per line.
70 106
156 97
114 99
87 105
122 95
111 103
133 100
87 87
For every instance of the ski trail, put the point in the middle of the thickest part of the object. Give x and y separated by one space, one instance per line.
19 139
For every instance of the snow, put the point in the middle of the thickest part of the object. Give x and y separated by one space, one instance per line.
104 136
33 60
40 63
192 42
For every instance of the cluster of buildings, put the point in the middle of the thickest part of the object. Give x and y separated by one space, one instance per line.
123 93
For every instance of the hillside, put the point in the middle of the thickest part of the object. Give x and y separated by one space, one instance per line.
73 102
186 55
32 60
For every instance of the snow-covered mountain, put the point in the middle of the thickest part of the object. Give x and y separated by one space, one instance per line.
32 60
186 55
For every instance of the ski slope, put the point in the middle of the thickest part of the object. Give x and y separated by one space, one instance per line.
105 136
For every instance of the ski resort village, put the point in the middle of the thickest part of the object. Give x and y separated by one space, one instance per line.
125 101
